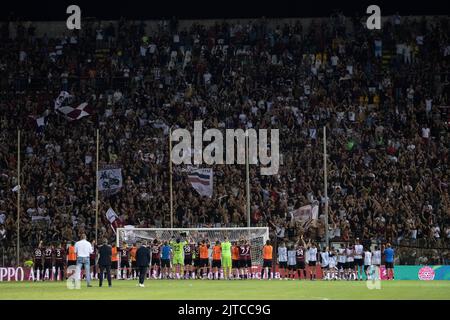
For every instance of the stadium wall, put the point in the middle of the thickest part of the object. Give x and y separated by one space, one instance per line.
12 274
58 28
8 274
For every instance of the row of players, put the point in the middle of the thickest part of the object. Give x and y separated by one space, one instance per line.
186 259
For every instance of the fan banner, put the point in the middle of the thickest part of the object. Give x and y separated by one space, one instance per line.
109 180
306 215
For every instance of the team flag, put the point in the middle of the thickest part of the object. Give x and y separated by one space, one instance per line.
39 121
75 113
63 104
202 181
113 219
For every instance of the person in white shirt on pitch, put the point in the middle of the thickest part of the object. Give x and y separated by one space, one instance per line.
282 260
312 259
325 262
342 261
367 262
350 264
332 264
359 250
376 259
292 262
83 249
376 256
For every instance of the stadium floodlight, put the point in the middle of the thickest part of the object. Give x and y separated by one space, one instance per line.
256 235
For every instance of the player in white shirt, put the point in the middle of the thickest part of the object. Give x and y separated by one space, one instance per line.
324 261
350 264
325 258
376 261
342 261
332 264
292 262
359 251
376 257
367 262
282 260
312 259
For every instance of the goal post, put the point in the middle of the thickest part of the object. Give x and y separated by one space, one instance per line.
256 235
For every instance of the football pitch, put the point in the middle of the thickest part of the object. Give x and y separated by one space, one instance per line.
228 290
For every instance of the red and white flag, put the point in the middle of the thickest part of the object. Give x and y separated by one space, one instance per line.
75 113
63 104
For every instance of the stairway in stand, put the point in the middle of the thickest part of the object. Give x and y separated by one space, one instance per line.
386 58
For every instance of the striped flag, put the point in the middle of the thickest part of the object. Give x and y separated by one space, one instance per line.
63 104
202 181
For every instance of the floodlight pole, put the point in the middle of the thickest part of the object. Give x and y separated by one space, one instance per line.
325 174
18 198
247 174
170 178
96 188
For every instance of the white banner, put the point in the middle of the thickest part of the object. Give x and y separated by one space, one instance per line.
109 180
39 218
307 215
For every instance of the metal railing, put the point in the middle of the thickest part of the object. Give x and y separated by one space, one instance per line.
21 84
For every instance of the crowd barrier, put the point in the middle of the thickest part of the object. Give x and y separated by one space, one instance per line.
8 274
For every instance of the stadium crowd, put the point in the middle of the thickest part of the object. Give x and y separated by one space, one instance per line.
379 93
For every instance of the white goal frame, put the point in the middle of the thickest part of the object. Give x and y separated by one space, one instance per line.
226 231
118 230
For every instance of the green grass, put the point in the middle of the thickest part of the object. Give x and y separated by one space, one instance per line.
227 290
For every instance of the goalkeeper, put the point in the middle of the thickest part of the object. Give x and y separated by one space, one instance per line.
178 255
226 258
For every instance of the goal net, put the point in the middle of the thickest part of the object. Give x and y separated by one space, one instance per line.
256 236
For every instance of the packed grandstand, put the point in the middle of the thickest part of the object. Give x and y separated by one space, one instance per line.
382 95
